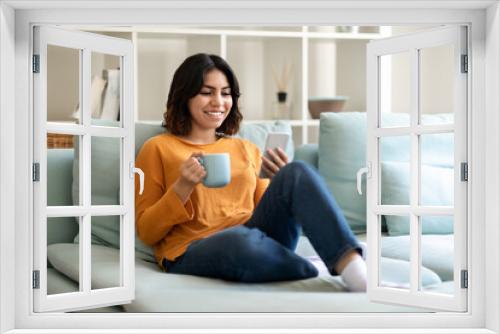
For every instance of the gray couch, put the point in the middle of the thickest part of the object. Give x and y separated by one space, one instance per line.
157 291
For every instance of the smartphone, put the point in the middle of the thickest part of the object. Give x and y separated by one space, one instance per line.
274 140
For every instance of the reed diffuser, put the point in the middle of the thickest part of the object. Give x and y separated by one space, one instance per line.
281 108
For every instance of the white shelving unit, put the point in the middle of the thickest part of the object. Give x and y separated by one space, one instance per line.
315 53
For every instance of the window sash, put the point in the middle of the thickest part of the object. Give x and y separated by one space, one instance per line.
86 297
412 43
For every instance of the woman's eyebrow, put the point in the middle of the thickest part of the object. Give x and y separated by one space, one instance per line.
211 87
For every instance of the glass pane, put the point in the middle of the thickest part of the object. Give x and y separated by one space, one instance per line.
437 84
63 84
105 231
439 244
395 90
105 90
62 177
60 232
395 271
437 169
105 170
395 170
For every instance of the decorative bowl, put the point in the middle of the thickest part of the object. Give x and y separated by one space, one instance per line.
319 104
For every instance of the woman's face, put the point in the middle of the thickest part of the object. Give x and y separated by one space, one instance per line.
211 106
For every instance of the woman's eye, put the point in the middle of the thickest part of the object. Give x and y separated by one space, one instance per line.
205 93
226 94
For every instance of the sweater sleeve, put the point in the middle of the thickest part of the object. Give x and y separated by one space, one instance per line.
159 208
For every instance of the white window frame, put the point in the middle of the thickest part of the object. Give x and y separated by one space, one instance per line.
411 44
483 123
86 43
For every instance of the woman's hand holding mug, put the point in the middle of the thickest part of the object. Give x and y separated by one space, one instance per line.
192 173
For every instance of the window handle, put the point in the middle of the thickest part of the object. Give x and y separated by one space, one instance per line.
359 176
135 170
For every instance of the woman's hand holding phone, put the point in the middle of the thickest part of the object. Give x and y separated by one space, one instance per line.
273 161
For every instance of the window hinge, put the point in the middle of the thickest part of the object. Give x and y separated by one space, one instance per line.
464 279
465 64
36 172
464 171
36 63
36 279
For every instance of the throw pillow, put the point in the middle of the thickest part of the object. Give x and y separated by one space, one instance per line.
342 152
436 190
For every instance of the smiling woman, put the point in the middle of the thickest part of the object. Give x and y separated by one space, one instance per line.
203 96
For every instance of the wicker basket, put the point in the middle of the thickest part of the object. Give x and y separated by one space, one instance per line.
55 140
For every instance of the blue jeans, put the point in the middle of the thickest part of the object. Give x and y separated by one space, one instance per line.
262 250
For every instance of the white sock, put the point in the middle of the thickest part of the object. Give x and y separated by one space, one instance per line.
364 248
354 275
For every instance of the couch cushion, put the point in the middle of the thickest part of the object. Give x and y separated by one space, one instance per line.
157 291
105 163
59 179
437 252
307 153
342 152
437 190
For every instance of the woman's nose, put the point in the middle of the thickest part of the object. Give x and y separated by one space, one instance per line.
217 100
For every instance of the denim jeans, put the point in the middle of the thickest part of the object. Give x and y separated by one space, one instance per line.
262 250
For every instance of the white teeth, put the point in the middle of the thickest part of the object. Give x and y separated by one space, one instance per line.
215 113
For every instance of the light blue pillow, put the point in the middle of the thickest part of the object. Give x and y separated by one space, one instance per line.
342 152
257 134
105 184
437 190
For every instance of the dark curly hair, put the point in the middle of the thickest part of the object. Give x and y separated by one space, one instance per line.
187 83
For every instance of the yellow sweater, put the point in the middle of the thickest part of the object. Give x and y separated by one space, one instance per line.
164 222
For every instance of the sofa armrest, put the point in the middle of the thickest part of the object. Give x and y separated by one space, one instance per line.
307 153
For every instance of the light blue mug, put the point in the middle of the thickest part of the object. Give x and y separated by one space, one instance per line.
218 168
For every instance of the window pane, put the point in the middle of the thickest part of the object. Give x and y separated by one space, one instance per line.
395 90
62 176
61 230
395 170
438 251
63 84
395 271
436 170
106 234
105 91
436 84
106 170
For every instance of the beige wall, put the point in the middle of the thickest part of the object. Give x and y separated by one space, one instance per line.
158 57
436 78
62 83
351 73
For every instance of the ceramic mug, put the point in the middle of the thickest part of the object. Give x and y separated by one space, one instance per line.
218 168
